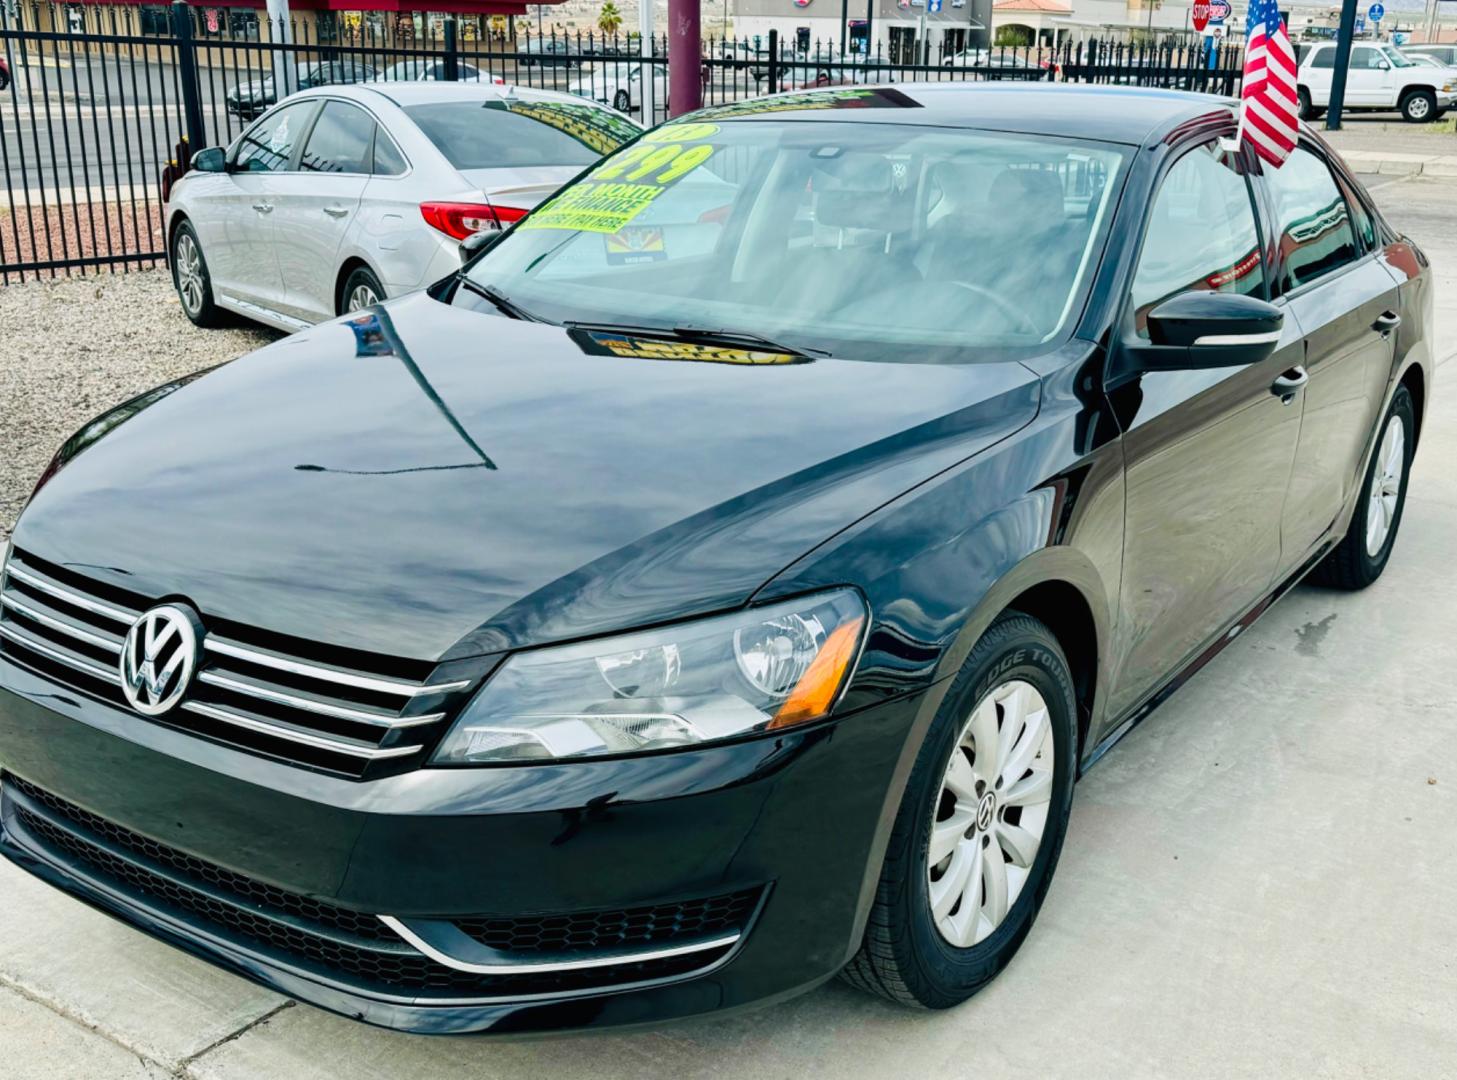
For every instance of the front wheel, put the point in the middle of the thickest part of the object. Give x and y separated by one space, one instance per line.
191 278
1307 110
1419 107
4 80
1362 554
980 826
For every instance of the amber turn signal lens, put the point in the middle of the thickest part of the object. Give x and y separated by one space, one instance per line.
815 692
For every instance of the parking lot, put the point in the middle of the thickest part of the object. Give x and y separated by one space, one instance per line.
1258 881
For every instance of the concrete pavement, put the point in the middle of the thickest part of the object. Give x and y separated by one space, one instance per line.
1259 881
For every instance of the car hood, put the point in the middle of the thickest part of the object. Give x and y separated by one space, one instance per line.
432 482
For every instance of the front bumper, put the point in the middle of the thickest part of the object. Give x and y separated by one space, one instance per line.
796 824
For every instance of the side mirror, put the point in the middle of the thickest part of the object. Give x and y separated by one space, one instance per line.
1197 330
213 159
1383 65
478 242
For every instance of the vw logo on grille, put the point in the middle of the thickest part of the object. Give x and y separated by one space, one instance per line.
158 658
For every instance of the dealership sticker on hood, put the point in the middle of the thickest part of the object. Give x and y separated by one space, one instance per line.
612 343
623 186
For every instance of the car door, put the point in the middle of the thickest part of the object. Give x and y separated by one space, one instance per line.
315 206
237 233
1370 80
1207 453
1318 72
1346 303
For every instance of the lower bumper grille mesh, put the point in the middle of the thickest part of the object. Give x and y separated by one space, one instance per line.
350 948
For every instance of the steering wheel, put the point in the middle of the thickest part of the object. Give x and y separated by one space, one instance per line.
1003 305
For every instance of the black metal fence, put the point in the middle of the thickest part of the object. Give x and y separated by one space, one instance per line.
95 100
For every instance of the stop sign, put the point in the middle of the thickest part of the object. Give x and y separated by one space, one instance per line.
1199 13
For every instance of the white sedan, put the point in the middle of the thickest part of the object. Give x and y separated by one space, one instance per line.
340 197
620 85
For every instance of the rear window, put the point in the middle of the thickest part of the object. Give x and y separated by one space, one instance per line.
508 134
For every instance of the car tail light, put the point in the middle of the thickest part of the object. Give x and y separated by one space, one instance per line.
459 220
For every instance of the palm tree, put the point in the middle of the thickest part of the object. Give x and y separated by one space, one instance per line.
609 19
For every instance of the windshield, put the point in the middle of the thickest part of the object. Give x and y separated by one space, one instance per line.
514 133
871 240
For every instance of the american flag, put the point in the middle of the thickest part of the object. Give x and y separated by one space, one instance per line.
1268 107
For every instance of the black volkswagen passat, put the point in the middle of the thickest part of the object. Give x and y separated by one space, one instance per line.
719 583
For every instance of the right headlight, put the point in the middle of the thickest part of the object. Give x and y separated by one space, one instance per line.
756 670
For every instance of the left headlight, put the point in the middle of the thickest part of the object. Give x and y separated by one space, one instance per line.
756 670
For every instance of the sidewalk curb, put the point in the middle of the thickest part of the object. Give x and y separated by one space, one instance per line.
1390 163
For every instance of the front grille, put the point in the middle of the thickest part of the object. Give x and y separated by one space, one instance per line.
352 713
349 947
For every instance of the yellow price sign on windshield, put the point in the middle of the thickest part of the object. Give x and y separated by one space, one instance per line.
625 185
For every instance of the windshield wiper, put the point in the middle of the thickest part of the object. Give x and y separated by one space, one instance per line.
507 307
703 335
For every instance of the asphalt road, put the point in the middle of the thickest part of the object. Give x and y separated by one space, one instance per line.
1259 881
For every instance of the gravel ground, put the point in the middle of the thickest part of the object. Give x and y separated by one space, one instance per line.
70 349
55 233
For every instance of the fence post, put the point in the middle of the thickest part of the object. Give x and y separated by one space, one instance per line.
773 61
452 61
187 75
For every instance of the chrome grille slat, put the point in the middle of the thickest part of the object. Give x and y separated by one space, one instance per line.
337 714
239 685
60 592
102 641
278 731
374 683
36 645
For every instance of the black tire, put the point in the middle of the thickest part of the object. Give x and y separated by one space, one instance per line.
1307 110
621 102
191 279
1351 565
1419 107
360 278
903 956
4 80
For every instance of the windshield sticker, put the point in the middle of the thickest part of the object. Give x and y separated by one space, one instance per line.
623 186
278 141
886 97
599 130
633 346
636 244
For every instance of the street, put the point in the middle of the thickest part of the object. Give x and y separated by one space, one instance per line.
1257 881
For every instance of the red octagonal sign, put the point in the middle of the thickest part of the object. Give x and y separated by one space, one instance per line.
1199 13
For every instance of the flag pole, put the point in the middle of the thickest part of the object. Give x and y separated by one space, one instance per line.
1343 62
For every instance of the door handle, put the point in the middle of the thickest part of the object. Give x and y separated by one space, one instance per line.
263 207
1386 322
1289 383
336 211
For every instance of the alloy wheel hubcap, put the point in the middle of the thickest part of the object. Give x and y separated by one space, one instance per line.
991 813
189 274
362 297
1386 474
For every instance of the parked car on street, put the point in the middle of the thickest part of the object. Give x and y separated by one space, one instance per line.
1426 60
417 69
1379 77
620 85
249 100
4 74
549 52
720 582
341 197
1446 55
998 64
